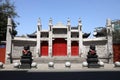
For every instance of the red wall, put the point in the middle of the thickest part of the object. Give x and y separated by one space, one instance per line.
2 53
116 50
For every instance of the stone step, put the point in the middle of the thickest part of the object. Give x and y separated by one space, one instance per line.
59 59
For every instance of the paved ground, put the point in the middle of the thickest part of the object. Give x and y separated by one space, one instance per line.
61 67
60 72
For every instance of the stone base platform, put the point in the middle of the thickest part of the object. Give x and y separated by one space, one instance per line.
60 67
59 59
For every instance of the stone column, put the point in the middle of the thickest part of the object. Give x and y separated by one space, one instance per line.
50 38
68 38
80 37
9 41
39 27
109 40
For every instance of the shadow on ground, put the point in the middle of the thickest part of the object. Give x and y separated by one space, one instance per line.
24 75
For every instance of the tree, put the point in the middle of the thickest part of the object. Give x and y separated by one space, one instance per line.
7 9
116 32
116 36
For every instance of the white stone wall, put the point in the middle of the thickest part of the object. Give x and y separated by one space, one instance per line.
101 48
17 51
18 46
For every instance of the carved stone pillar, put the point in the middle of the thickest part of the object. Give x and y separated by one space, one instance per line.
109 40
9 41
50 38
39 27
80 37
68 38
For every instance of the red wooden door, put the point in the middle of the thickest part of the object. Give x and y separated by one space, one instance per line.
59 47
116 50
2 53
74 48
44 48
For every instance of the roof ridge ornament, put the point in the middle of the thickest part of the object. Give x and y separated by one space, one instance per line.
59 24
108 22
9 21
50 22
79 22
39 21
68 21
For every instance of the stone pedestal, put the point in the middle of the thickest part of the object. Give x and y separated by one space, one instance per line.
26 58
25 62
92 58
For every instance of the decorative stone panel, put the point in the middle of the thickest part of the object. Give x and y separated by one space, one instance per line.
101 48
18 46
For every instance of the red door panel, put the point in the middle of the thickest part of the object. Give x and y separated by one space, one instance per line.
44 48
116 50
74 48
59 47
2 53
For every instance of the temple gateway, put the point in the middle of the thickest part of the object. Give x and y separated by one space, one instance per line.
60 41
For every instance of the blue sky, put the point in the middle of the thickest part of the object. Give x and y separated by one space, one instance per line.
93 13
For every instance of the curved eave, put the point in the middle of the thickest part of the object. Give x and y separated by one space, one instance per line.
24 39
86 35
95 39
100 34
32 36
